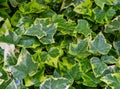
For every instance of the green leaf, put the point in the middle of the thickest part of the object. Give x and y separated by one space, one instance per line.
35 79
90 80
112 80
55 52
55 83
25 66
32 7
98 66
113 26
3 76
5 27
103 15
36 30
84 65
15 18
99 45
14 3
80 49
109 59
50 31
12 85
9 37
84 8
1 19
28 42
73 73
65 27
101 3
82 27
116 45
111 69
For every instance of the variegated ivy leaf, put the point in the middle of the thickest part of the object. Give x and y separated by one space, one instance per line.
83 27
51 57
80 49
116 45
84 8
36 30
5 28
32 7
112 80
28 42
98 66
90 80
25 66
9 54
99 45
55 83
101 3
103 15
109 59
11 85
50 31
114 25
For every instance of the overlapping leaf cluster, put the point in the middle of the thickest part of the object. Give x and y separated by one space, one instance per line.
59 44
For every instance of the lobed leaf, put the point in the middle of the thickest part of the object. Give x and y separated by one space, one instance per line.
99 45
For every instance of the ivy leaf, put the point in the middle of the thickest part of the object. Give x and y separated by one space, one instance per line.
55 83
32 7
84 65
84 8
73 73
55 52
98 66
113 26
99 45
12 85
51 57
112 80
64 26
25 66
50 31
109 59
116 45
90 80
5 27
28 42
80 49
14 3
103 16
36 30
101 3
10 37
82 27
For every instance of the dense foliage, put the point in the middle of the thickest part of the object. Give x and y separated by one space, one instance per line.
59 44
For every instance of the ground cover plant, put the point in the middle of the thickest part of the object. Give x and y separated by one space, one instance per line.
59 44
